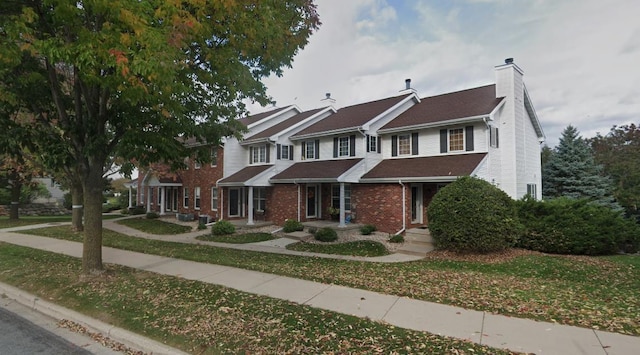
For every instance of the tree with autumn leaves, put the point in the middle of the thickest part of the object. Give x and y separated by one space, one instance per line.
129 78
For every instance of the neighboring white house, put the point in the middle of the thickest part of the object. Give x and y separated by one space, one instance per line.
55 191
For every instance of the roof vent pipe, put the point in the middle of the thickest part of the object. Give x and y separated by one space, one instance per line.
328 95
508 61
407 83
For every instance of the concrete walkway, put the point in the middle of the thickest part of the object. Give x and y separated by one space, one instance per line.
480 327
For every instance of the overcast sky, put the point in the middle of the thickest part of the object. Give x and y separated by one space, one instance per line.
581 58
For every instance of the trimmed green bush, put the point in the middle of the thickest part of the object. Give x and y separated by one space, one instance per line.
471 215
398 238
367 229
137 210
291 225
223 228
575 226
152 215
326 235
202 226
312 230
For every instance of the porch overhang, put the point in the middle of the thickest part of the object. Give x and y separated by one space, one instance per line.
248 176
442 168
325 171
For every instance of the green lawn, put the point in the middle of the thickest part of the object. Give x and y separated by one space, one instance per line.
356 248
237 238
593 292
208 319
154 226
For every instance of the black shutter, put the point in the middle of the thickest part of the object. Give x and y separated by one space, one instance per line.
317 150
250 155
368 142
379 144
291 152
414 143
268 149
335 147
469 138
303 153
443 141
497 138
352 145
278 151
394 146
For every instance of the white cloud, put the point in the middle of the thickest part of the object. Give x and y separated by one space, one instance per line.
579 57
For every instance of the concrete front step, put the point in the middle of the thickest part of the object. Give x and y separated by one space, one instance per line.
415 249
418 235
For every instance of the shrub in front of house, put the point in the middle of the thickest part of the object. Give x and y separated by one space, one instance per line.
326 235
397 238
223 228
575 226
291 225
367 229
202 226
471 215
152 215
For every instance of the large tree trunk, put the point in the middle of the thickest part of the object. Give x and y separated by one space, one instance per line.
92 248
77 211
16 187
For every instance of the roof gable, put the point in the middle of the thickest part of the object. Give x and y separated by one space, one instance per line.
352 116
460 104
282 125
249 120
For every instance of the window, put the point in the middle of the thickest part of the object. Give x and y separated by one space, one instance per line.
284 152
532 190
258 154
335 196
259 198
214 198
197 165
311 149
456 139
404 144
343 146
185 197
214 156
493 136
372 144
196 195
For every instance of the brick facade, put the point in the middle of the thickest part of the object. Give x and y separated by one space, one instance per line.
378 204
282 203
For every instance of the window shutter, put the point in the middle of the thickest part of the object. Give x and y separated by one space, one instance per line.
317 150
303 151
267 150
335 147
278 151
368 142
443 141
497 138
352 145
469 138
394 146
379 144
290 152
250 155
414 143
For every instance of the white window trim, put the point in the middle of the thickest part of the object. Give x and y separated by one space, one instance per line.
408 136
348 146
464 140
185 197
373 144
347 187
257 197
214 154
214 198
259 152
310 147
196 198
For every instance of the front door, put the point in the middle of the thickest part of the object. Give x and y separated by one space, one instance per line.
416 204
312 201
234 202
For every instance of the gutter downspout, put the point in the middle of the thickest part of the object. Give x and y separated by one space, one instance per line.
404 209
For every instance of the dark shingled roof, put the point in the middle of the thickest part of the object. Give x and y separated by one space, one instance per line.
352 116
245 174
257 117
317 170
438 166
283 125
459 104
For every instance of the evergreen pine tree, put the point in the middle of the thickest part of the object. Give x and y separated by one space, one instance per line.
572 172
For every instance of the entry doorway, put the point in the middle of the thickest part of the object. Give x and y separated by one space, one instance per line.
235 202
313 201
417 204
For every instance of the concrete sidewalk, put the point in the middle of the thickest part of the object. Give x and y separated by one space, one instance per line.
480 327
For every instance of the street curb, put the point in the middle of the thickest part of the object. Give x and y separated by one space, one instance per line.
130 339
